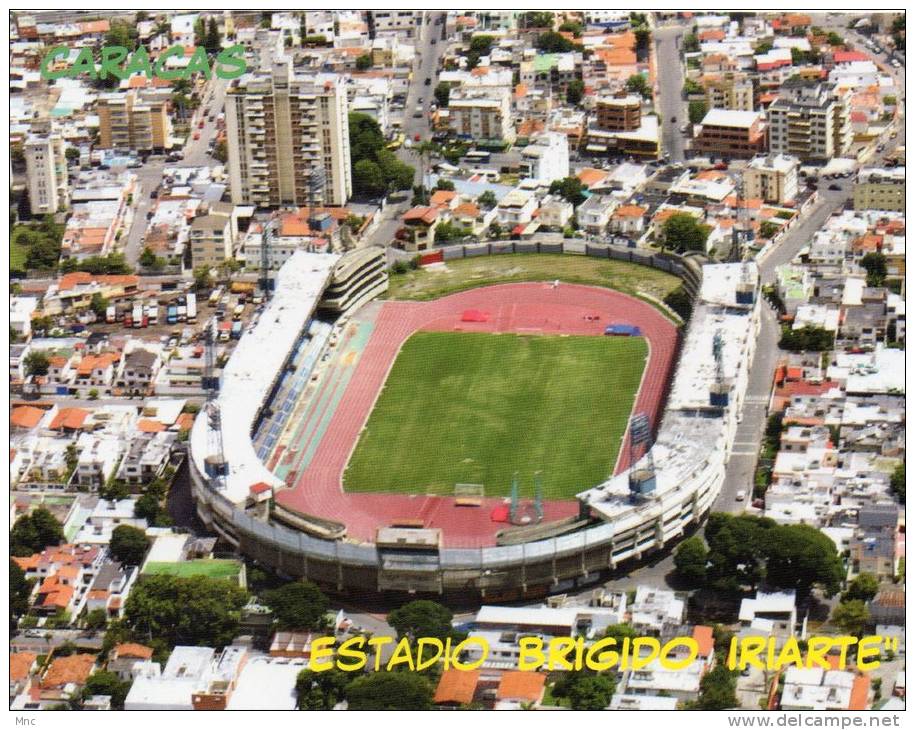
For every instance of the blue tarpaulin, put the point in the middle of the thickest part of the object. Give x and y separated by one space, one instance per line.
624 330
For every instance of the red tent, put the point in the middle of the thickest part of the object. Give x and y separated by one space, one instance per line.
474 315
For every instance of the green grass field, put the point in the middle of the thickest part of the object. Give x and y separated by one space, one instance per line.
475 408
212 568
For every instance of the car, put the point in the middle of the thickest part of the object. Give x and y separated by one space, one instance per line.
835 187
433 41
154 194
196 135
428 80
673 119
741 495
202 122
417 137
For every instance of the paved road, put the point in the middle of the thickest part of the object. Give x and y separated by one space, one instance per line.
739 473
195 155
669 98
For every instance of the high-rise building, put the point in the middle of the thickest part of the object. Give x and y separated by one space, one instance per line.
135 120
809 120
288 139
729 133
728 90
46 170
481 113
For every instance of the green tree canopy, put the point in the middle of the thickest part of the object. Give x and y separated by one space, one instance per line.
34 532
591 692
107 683
874 264
442 93
129 544
368 179
569 188
37 363
897 482
808 338
20 591
575 91
718 689
422 618
638 84
800 556
552 42
691 561
852 617
197 611
321 690
98 305
487 199
364 62
863 588
298 605
682 232
401 691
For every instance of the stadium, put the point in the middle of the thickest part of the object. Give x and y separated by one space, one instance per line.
505 441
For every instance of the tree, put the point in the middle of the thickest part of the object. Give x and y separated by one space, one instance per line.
20 591
365 137
37 363
863 588
897 482
834 39
197 611
575 91
571 27
443 184
620 632
717 690
536 19
875 265
487 199
552 42
368 179
213 41
682 232
697 111
34 532
442 93
800 556
591 691
98 305
691 561
321 690
851 617
390 691
422 618
364 62
637 84
807 339
736 549
399 175
680 301
298 605
129 544
691 43
203 278
767 229
692 87
96 619
569 188
107 683
71 154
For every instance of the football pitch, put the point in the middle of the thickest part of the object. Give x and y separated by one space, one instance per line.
477 408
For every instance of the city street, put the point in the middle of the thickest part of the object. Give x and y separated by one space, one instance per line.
669 98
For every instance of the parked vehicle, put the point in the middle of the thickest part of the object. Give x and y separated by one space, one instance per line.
111 314
236 330
171 315
137 316
191 307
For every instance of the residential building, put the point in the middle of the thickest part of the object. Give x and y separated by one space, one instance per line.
135 120
594 214
546 158
212 235
288 138
481 113
772 614
772 178
555 212
880 189
382 22
138 371
728 90
618 113
729 133
124 657
819 689
418 233
808 120
46 172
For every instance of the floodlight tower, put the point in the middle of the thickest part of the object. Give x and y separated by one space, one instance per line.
215 463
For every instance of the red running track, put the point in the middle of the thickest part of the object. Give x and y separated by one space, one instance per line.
530 308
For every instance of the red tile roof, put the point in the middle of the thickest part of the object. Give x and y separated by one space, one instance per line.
71 418
73 669
524 686
26 417
21 665
456 686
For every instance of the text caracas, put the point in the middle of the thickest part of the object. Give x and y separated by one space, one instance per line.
118 62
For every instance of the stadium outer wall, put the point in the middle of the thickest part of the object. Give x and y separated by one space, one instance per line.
492 573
